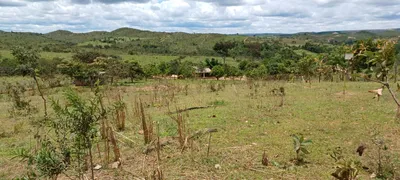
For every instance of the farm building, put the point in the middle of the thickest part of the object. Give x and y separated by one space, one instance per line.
205 72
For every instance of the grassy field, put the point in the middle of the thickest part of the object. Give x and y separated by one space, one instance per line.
249 121
142 59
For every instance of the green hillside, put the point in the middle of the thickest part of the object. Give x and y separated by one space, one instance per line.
137 42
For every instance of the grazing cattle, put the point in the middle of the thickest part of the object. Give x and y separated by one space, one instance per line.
174 76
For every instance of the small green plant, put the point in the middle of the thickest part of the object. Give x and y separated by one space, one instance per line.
218 103
20 105
337 154
385 165
347 170
76 127
120 113
300 147
47 161
212 87
344 169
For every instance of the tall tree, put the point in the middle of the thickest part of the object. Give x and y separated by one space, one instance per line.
307 66
383 60
27 59
222 48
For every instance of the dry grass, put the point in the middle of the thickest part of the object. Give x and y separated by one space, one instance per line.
248 124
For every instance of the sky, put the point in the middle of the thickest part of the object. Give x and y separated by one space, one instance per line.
199 16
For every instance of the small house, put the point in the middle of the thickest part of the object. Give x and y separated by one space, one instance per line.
204 72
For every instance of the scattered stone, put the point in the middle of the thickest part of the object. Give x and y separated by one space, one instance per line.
217 166
141 132
115 165
97 167
373 175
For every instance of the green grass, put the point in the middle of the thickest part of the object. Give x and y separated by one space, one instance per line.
249 122
46 55
142 59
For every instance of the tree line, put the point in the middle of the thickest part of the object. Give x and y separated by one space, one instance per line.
254 60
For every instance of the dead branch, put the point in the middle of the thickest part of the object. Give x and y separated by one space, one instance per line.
386 84
188 109
152 145
202 132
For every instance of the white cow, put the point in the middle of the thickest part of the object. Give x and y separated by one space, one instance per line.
174 76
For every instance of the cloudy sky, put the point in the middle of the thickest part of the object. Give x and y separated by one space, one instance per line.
201 16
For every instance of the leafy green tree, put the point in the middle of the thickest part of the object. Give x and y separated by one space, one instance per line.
133 70
211 63
7 67
383 60
243 64
307 66
48 67
218 71
113 67
233 71
187 69
238 51
259 72
87 57
222 48
254 49
163 68
86 71
151 70
28 65
316 48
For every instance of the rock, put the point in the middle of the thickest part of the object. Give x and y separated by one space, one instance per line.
97 167
141 132
373 175
217 166
115 165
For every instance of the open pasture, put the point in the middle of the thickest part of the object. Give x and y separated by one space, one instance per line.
249 118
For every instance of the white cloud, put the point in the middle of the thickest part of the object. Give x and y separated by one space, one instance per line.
219 16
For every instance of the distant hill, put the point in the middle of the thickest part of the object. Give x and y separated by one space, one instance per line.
135 41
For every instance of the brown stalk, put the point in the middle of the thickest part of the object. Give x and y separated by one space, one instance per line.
117 153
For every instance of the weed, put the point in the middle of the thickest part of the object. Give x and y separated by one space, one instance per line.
120 115
181 128
344 169
77 119
20 105
18 127
385 164
299 145
218 103
47 161
347 170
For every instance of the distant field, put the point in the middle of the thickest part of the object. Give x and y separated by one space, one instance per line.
46 55
142 59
